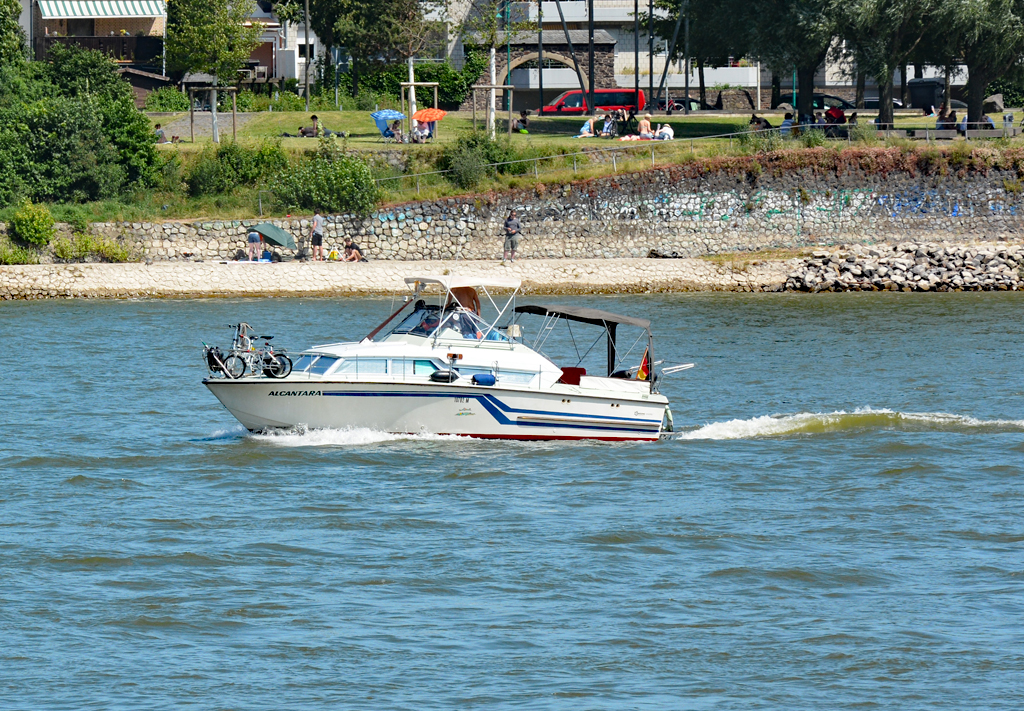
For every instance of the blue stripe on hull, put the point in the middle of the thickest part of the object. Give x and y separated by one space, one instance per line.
497 410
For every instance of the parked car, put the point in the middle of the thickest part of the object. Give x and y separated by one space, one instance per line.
823 102
679 104
873 104
574 102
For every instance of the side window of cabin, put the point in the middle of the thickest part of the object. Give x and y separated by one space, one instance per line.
364 366
322 365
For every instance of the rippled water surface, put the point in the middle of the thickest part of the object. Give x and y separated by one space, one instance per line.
838 524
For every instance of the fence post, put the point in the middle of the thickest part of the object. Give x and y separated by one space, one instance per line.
535 172
615 167
652 155
417 184
574 164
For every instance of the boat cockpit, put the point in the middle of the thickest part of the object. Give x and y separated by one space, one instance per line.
452 322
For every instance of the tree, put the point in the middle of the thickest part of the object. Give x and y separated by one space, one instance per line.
376 34
12 37
992 42
794 34
883 34
210 36
83 72
717 32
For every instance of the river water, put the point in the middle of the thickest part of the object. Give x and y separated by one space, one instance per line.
837 524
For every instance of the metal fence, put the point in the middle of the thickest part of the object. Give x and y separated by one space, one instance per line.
833 132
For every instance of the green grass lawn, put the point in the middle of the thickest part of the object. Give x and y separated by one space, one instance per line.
549 136
547 132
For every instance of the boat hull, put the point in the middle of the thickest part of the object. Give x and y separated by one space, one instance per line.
450 409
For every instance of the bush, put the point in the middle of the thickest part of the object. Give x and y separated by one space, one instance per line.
167 99
85 72
81 246
246 101
367 100
218 170
287 102
207 175
113 250
468 158
814 138
33 224
14 254
467 167
864 133
328 181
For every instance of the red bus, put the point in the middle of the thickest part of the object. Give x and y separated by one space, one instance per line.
574 102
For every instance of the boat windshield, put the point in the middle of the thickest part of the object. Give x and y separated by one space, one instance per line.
421 322
466 324
456 323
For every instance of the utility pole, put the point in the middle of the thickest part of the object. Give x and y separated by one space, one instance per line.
412 89
636 54
540 51
306 65
650 51
490 95
590 56
686 51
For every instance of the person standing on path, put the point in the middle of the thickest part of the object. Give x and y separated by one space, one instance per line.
254 246
317 237
512 228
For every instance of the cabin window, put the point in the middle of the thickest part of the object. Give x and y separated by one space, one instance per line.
303 363
364 366
322 365
412 366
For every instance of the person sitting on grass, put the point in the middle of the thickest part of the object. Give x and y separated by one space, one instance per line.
608 130
161 137
665 133
588 130
644 129
522 123
787 124
311 131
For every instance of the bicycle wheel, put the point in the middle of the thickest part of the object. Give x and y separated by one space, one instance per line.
234 366
282 366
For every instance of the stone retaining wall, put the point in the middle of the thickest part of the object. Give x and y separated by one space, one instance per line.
665 211
548 276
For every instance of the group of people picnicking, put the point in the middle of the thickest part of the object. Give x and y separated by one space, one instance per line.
257 251
832 122
615 122
835 118
315 130
420 132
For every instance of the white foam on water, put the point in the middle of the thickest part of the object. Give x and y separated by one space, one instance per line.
348 437
234 432
830 422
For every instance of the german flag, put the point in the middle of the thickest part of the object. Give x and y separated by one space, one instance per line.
645 367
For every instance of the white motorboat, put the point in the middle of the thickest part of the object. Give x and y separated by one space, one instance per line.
444 369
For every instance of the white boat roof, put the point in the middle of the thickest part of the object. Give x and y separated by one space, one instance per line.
454 282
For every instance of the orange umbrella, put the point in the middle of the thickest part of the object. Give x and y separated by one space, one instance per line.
428 115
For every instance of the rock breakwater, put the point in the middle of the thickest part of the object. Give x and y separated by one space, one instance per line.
911 266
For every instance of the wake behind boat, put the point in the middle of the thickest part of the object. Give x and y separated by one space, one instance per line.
444 369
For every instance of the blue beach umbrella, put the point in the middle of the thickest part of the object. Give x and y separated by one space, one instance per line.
385 116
